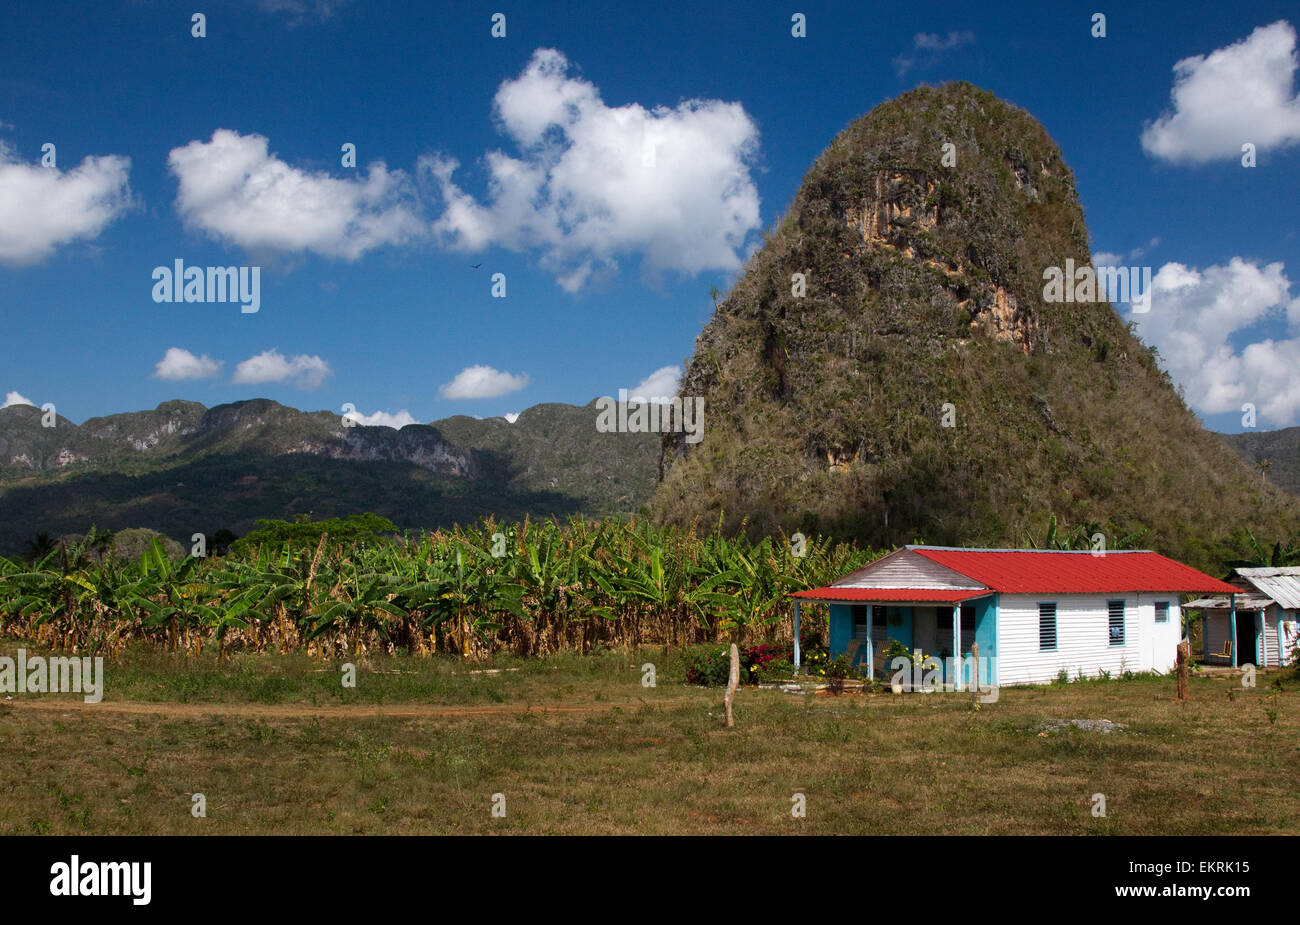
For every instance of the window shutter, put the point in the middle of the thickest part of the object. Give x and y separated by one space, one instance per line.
1116 623
1046 627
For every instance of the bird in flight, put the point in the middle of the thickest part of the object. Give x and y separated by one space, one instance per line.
475 266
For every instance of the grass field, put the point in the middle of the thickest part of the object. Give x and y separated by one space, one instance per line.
577 745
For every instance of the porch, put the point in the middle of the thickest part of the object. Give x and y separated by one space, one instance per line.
865 629
1232 629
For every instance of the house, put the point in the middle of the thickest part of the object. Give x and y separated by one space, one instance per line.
1034 613
1256 624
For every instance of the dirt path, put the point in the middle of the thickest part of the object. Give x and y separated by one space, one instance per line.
172 710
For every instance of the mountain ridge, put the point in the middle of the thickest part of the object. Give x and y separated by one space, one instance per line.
182 468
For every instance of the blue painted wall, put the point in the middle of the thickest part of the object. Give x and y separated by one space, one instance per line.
902 633
841 628
986 631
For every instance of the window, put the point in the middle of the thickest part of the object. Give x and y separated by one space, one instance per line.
1162 611
1046 627
859 621
1116 623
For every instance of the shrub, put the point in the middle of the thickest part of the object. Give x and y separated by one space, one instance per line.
836 672
757 663
710 668
778 669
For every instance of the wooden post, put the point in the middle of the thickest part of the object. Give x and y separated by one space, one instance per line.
1184 655
975 675
732 681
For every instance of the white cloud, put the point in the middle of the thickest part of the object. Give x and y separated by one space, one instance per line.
383 419
660 386
178 364
13 398
305 372
42 208
932 41
300 10
232 189
1194 313
594 182
1112 259
929 46
1238 94
482 382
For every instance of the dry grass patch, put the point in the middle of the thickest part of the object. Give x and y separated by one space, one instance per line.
657 761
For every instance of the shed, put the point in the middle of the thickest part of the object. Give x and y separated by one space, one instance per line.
1257 623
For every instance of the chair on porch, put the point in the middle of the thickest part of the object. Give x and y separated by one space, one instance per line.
1227 650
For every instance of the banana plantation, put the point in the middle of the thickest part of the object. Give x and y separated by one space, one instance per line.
523 588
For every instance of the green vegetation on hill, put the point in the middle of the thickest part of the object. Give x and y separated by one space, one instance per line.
555 448
1273 453
183 469
924 307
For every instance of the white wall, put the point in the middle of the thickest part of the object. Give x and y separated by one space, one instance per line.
1083 636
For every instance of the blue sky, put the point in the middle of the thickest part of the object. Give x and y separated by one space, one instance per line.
612 161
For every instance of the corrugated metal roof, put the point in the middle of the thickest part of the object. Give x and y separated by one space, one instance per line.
1243 602
1043 571
1280 584
1046 571
903 595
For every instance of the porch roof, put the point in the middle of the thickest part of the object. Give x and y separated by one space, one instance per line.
1244 602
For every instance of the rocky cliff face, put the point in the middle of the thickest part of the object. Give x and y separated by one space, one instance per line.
888 368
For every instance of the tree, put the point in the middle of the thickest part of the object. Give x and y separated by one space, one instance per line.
39 547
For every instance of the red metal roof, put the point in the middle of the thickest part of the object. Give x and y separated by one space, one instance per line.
888 594
1034 571
1049 571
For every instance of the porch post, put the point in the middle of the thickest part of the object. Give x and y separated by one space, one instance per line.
871 651
1232 629
1281 653
1205 640
956 647
796 635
